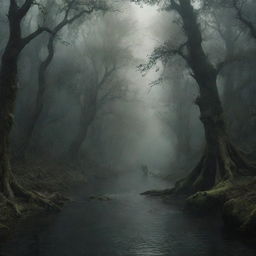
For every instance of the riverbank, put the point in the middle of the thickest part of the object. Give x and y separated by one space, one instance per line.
56 179
235 200
128 224
53 179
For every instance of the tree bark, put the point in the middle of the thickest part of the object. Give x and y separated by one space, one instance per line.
8 87
9 187
182 130
221 160
40 93
8 91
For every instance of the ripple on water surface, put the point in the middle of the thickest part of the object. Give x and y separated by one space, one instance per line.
127 225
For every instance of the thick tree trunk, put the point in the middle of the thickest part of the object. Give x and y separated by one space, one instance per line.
221 160
183 146
8 91
229 38
8 87
9 187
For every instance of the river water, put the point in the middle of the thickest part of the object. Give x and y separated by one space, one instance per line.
126 225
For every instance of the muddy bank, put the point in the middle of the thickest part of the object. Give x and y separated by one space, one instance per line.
236 201
128 224
54 179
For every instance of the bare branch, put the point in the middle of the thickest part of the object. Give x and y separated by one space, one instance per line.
72 5
108 96
33 35
25 8
163 53
107 74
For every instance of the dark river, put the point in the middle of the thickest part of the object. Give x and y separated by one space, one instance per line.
127 225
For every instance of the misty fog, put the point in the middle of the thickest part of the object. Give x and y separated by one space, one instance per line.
129 130
127 127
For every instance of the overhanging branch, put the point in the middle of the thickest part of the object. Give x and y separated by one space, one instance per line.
163 53
33 35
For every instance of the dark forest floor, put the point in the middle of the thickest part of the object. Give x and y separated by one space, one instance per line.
236 201
46 177
53 178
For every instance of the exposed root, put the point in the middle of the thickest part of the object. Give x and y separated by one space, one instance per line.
227 164
20 196
43 201
158 192
2 226
14 205
48 202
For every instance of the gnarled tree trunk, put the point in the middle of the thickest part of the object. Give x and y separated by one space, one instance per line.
221 160
9 187
8 87
37 111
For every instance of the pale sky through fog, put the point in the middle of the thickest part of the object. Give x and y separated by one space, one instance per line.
144 40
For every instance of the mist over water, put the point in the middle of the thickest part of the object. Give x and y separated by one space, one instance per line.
129 225
121 100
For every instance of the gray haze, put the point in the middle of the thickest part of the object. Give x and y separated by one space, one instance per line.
138 121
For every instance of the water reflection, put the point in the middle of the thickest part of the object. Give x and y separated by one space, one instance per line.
128 225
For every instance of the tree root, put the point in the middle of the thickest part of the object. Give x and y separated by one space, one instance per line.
52 202
227 164
2 226
14 205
